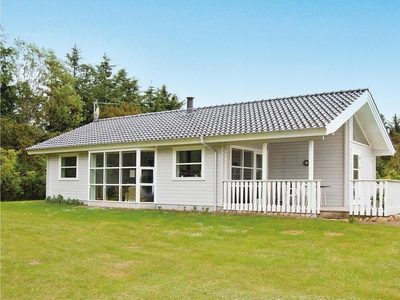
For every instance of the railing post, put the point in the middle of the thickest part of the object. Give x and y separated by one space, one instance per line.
267 197
318 206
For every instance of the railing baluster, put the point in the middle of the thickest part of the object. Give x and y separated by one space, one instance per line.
381 197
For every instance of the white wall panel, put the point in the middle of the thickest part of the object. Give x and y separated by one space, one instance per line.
187 192
74 189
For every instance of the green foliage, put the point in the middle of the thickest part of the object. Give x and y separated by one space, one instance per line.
111 111
23 177
160 99
10 180
60 200
388 167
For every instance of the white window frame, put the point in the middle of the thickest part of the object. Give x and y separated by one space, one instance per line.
359 165
202 163
255 153
120 185
60 167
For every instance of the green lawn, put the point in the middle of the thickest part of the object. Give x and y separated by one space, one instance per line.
51 251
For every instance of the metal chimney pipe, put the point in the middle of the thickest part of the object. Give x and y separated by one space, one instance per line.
189 105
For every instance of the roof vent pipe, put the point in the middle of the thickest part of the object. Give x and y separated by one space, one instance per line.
189 105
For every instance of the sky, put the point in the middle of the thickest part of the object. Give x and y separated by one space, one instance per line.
227 51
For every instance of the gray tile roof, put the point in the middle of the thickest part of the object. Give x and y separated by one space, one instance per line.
292 113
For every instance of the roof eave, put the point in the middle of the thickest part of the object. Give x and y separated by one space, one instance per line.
309 133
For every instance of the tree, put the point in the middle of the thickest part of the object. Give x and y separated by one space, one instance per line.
7 88
160 99
389 167
63 109
10 180
124 109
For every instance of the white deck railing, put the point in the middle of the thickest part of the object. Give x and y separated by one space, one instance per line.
375 197
286 196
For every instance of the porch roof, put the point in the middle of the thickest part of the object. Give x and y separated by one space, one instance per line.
314 111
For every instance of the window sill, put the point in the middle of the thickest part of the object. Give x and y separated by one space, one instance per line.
188 179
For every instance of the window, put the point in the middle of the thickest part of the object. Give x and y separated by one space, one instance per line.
246 165
122 176
356 166
188 163
69 167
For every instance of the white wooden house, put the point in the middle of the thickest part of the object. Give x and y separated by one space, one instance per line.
297 154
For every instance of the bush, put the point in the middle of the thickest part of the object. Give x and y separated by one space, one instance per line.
60 200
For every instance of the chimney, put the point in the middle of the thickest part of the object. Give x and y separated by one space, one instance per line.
189 105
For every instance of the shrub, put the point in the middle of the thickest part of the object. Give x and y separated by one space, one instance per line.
60 200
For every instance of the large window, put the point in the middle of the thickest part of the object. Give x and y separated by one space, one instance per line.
188 163
122 176
69 167
246 165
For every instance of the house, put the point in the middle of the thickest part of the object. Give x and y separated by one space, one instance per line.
298 154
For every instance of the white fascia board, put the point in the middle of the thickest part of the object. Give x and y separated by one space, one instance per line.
315 133
374 109
347 114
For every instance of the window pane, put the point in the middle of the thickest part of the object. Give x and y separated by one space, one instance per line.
248 159
188 171
147 176
147 194
236 157
355 161
193 156
96 176
236 174
68 172
96 192
97 160
129 176
355 174
68 161
147 159
259 161
112 160
112 193
129 193
248 174
129 159
112 176
258 175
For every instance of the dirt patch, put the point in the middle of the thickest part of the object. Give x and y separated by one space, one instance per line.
333 234
34 263
293 232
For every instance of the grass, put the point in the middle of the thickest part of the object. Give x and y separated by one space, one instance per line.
51 251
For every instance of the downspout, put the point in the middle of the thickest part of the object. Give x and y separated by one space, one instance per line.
215 171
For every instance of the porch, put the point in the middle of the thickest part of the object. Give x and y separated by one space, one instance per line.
269 196
375 197
368 197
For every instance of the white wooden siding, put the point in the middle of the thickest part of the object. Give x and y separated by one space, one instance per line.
367 160
329 167
74 189
187 192
286 162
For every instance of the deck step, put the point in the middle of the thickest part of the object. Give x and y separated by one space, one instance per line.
329 214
